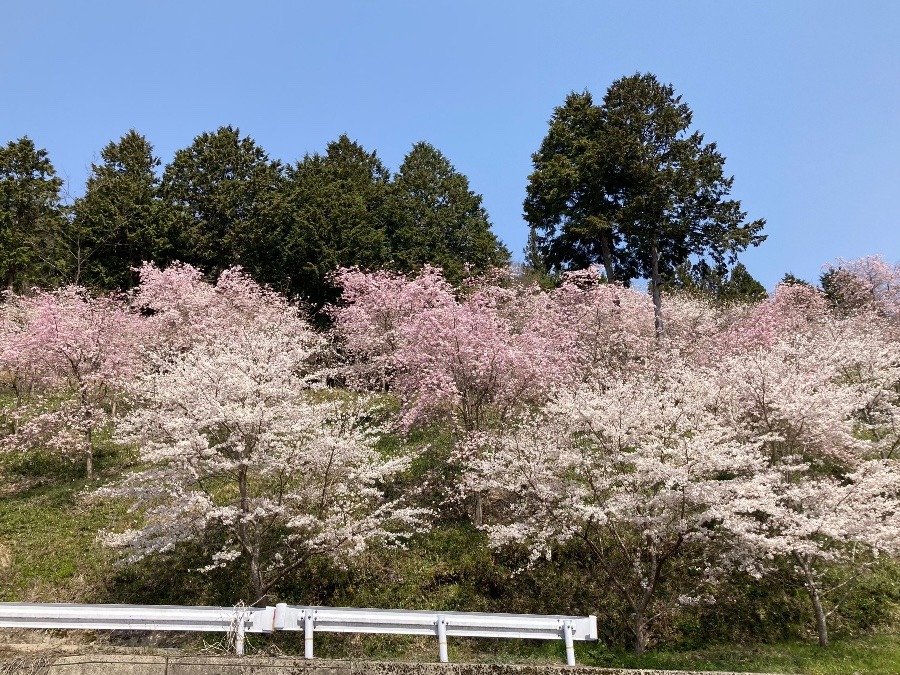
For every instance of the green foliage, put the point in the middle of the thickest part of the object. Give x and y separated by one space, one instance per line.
223 193
626 185
31 216
871 655
223 202
120 217
435 218
335 216
790 280
707 282
48 531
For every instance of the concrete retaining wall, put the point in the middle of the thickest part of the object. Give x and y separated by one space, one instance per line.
220 665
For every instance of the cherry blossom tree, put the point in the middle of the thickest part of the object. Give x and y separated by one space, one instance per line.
866 282
637 468
472 360
67 345
183 308
237 435
374 308
816 389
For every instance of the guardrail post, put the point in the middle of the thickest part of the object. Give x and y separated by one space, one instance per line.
442 638
279 620
568 634
308 633
239 636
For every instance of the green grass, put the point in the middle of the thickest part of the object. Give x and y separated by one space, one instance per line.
49 534
868 655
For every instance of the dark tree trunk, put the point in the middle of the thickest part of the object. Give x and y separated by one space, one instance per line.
655 283
606 255
812 591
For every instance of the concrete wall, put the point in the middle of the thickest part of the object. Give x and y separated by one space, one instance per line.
220 665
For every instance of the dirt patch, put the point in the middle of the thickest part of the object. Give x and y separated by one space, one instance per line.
26 665
5 556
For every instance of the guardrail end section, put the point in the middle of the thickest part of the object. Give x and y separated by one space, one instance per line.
593 634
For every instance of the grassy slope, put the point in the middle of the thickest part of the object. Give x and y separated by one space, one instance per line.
875 654
48 532
49 553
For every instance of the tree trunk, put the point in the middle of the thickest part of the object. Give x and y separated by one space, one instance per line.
479 509
640 635
89 463
655 283
89 455
257 593
606 255
812 590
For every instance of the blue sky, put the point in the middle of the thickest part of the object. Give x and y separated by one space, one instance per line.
803 98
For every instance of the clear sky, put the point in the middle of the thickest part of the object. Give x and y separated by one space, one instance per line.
803 98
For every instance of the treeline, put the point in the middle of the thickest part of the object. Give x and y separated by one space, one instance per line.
222 202
624 184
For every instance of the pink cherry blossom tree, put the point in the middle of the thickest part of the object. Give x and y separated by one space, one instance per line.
238 435
374 308
67 345
472 360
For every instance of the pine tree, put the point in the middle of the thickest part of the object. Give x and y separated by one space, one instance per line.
31 215
120 215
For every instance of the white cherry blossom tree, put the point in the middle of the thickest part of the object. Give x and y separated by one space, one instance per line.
238 435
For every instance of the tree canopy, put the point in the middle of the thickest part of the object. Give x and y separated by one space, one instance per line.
627 185
335 216
437 219
30 211
223 191
120 215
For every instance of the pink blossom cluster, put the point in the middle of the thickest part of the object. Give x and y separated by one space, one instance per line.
66 344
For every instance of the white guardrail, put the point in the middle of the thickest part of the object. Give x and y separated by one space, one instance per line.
241 620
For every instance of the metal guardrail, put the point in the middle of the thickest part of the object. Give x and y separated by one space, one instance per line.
241 620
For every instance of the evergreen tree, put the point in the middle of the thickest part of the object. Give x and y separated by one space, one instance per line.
223 191
790 280
708 282
31 215
120 215
625 184
335 217
742 287
437 219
